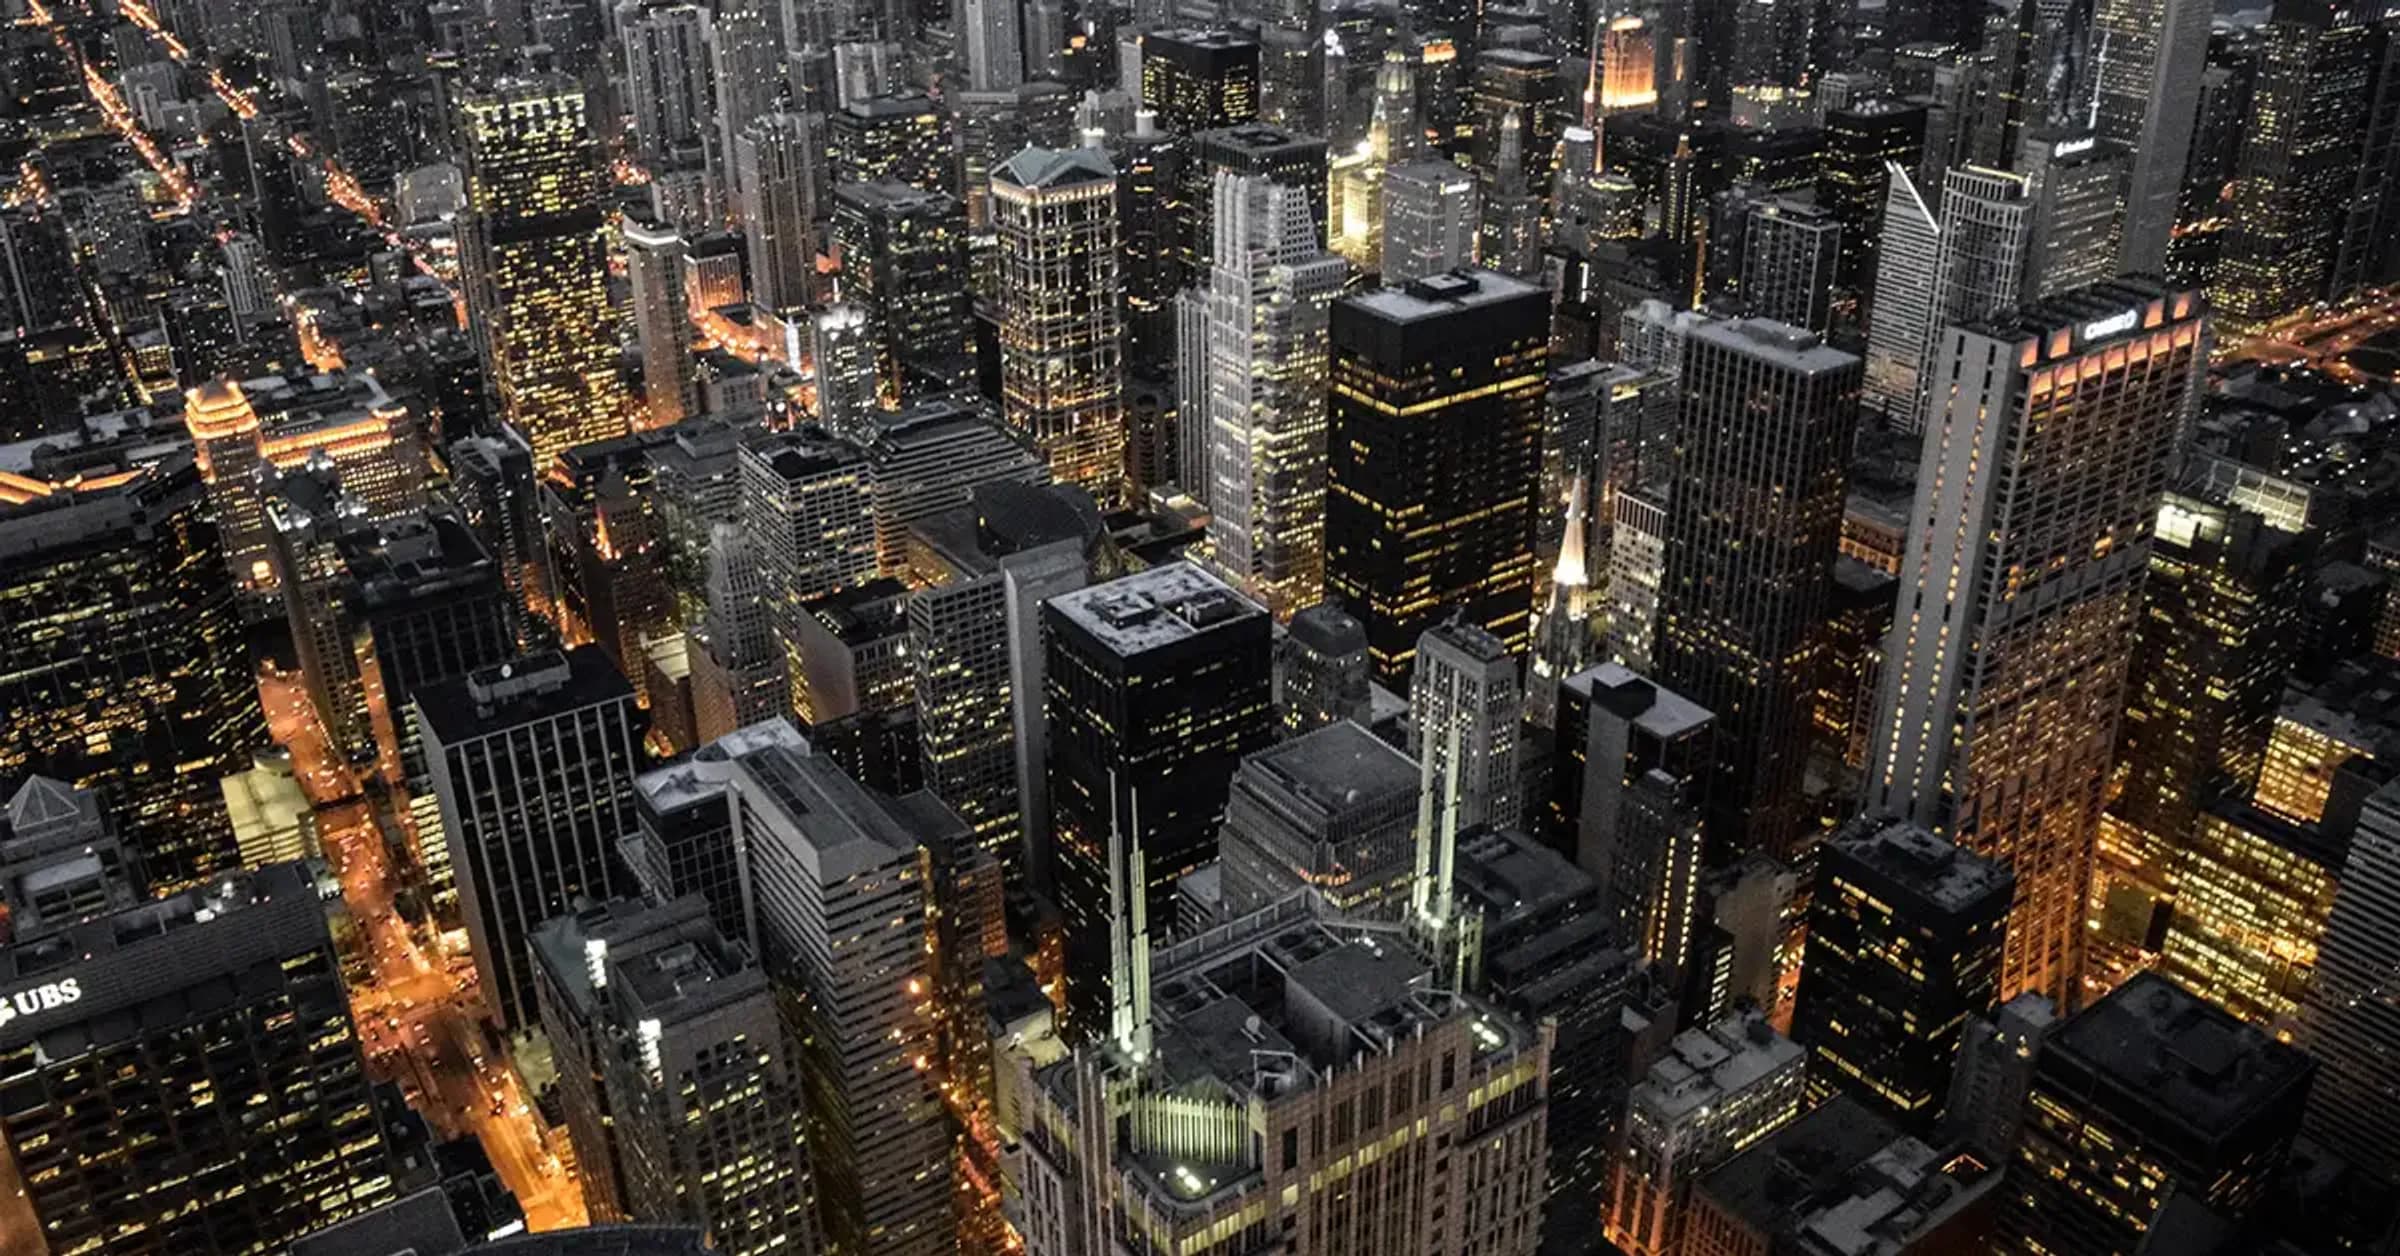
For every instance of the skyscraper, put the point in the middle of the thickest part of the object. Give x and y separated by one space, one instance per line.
669 88
2298 163
1156 687
2110 1136
1429 220
681 1096
993 35
2348 1025
1908 256
1062 317
904 258
1904 933
2148 95
1261 327
126 1038
1465 700
974 637
780 189
125 672
1790 255
1198 80
1321 671
1334 809
807 503
1631 769
1753 523
2075 226
841 347
534 762
1717 1090
1433 439
839 876
662 322
2039 596
533 256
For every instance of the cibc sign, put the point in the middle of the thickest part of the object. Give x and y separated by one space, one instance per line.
34 1000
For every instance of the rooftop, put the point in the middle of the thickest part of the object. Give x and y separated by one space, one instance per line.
491 699
1626 693
1781 344
1943 874
2180 1057
1055 167
1337 767
1154 608
1705 1066
1443 295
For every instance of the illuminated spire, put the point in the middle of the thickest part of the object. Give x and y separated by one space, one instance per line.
1572 570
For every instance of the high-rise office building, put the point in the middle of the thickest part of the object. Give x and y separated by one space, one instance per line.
183 1075
1994 1074
780 189
61 862
1252 148
739 674
533 255
992 35
1862 143
1429 220
2039 597
974 638
1631 768
807 503
1199 80
2253 897
669 89
1466 697
904 258
1256 390
2348 1026
839 876
1333 810
931 457
127 673
1908 257
1352 1023
1753 522
1433 439
675 1071
2220 606
1062 317
1790 257
2147 91
1321 671
1156 687
841 349
533 761
1717 1090
2148 1095
2299 162
1904 933
662 322
2075 226
900 136
1980 263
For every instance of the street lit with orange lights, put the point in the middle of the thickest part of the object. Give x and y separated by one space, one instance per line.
418 1008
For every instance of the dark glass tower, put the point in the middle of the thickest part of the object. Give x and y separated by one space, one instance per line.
122 667
1433 453
1195 80
1904 936
1157 686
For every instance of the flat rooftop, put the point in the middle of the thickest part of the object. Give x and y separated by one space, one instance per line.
1442 296
1337 767
2181 1057
1154 608
1938 871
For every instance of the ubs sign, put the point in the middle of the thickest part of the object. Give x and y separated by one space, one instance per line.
33 1000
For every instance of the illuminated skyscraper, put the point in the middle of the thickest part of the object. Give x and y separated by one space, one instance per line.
125 1042
1465 699
904 258
1429 220
1261 326
2298 164
2151 54
1908 254
1753 524
1321 671
662 322
2075 226
681 1096
533 761
2149 1095
1062 314
1790 253
533 255
125 671
1156 687
1198 80
1433 449
1717 1090
1862 142
777 173
839 875
1904 935
2254 896
841 347
900 137
2006 667
2349 1025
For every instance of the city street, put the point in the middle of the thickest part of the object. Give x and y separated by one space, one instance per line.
418 1012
